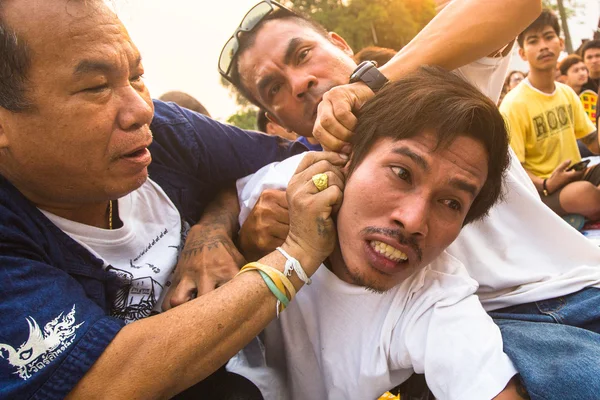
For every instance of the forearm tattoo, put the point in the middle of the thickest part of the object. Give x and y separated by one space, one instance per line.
195 245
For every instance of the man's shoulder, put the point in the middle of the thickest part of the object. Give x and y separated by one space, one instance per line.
170 115
521 94
568 92
446 271
14 207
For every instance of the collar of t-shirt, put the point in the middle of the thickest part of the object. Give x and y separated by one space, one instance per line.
143 252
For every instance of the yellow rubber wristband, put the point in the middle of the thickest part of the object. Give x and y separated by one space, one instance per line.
279 279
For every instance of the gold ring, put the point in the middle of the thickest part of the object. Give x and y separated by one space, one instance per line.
321 181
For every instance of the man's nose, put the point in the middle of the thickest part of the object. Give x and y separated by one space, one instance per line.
412 214
302 85
135 108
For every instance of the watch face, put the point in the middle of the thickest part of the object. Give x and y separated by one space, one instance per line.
360 71
368 73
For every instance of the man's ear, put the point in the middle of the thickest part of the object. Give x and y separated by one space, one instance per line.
522 54
340 43
274 120
562 44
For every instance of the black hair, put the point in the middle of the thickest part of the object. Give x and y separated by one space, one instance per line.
15 61
411 105
246 40
546 18
590 44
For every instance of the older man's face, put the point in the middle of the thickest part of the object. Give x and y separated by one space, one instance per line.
403 205
289 68
87 138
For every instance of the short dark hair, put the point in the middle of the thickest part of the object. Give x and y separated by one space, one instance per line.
546 18
246 40
380 55
568 62
183 99
590 44
15 61
433 99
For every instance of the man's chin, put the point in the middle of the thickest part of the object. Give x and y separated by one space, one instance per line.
370 283
129 184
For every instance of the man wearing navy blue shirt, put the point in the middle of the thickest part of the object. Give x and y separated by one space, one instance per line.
98 189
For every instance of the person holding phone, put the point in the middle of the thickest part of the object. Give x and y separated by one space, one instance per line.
545 120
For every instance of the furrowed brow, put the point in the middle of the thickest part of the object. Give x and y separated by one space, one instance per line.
95 66
420 161
464 186
292 46
92 66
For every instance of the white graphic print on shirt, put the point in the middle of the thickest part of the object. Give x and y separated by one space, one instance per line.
142 253
41 348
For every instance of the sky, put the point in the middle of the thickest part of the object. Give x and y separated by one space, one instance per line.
180 42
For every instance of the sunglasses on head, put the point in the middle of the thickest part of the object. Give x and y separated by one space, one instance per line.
249 22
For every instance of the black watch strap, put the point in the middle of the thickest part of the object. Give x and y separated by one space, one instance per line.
368 73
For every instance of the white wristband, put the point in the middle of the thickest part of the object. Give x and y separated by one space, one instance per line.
294 265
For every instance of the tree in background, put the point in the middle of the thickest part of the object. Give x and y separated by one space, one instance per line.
384 23
565 9
245 118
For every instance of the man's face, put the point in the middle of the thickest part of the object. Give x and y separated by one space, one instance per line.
541 48
403 205
87 138
591 58
515 79
577 75
289 68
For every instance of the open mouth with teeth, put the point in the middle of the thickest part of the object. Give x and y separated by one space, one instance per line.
389 252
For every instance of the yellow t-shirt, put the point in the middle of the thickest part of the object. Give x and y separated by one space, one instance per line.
544 127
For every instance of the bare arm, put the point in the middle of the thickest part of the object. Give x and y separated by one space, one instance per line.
537 181
452 39
592 142
209 258
560 177
160 356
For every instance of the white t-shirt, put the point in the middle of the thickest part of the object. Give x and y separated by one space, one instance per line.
143 252
522 252
341 341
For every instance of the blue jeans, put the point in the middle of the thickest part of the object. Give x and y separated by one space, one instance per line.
555 345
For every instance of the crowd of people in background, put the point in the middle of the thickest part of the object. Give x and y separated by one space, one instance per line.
551 114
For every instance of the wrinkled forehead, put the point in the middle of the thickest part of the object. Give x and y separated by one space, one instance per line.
428 148
264 51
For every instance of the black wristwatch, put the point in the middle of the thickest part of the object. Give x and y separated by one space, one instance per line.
368 73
